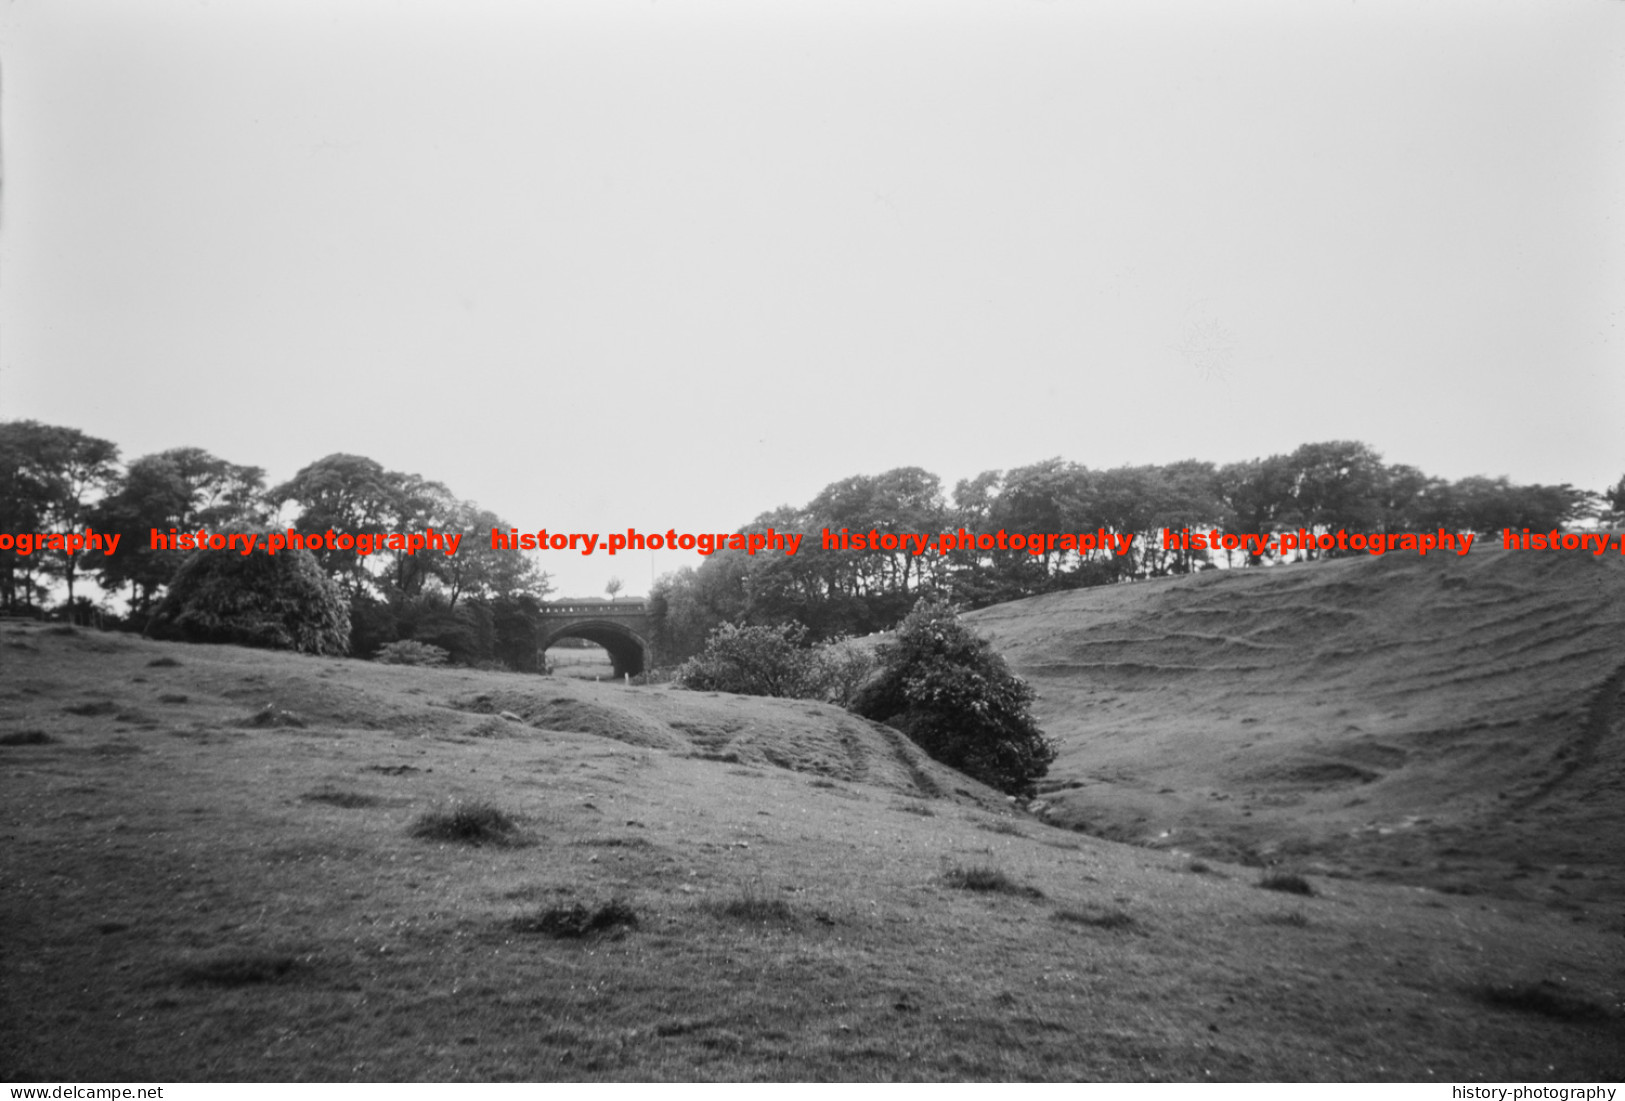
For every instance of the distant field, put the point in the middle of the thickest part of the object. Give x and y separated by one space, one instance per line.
225 864
588 663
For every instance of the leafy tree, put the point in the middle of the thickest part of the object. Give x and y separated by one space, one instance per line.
1490 504
49 478
1409 499
281 601
27 488
184 489
344 493
1257 496
1335 485
447 600
1048 496
948 691
1614 498
482 571
688 604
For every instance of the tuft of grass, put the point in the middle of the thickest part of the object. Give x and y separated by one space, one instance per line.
1115 920
1003 825
26 737
273 716
1546 998
241 969
755 908
1199 867
116 749
576 920
1296 918
921 809
62 629
1286 881
472 823
162 663
348 799
92 708
173 697
980 877
821 782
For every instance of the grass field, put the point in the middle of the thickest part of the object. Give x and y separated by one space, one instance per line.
229 864
1445 722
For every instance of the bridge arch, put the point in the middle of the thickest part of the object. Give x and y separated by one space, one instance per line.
621 627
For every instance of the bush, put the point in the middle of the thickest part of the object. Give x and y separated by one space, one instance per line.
949 692
280 602
776 661
840 669
752 661
411 652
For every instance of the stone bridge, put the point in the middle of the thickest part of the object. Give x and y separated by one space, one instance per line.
622 627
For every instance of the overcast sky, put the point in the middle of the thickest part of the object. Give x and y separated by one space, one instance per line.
671 264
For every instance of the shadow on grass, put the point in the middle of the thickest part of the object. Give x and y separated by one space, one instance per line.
1287 882
242 969
1115 920
347 799
1545 998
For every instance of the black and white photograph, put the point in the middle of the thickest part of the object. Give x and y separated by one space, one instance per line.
954 541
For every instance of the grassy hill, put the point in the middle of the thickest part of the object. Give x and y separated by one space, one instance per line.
1448 722
227 864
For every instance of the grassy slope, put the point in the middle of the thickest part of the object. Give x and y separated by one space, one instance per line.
1449 722
187 895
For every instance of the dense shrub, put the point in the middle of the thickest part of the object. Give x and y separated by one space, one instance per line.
753 661
281 601
776 661
949 692
840 670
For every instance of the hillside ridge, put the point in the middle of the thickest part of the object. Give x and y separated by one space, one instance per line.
1453 721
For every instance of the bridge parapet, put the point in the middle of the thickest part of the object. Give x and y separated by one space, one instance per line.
573 608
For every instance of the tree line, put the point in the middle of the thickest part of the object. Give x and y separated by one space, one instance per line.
1320 487
480 604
